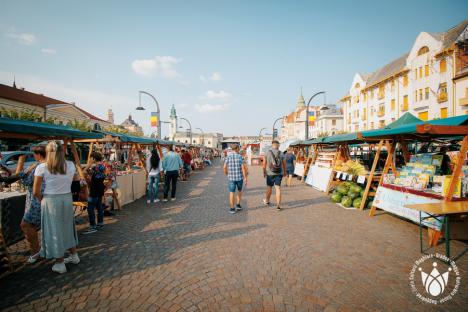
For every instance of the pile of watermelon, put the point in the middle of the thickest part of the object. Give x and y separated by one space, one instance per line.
348 194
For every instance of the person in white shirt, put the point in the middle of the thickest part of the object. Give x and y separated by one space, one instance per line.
57 219
154 168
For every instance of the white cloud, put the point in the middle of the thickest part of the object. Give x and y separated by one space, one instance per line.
213 95
23 38
209 108
48 51
214 77
162 66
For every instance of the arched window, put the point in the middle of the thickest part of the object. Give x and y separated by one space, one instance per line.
186 141
423 50
209 142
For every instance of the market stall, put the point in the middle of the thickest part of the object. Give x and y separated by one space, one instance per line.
427 177
12 199
124 155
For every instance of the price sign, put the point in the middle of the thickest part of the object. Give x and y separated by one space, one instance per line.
344 175
338 174
361 179
350 177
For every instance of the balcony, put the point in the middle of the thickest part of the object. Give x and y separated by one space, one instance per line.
442 97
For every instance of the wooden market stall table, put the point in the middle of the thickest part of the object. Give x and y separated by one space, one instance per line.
440 209
132 186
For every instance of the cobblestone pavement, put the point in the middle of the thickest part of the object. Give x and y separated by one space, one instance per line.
192 255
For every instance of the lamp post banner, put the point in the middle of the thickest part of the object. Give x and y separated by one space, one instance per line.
154 119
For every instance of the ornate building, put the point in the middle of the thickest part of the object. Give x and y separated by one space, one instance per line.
420 81
132 126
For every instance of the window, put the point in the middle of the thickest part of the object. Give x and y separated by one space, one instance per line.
381 112
443 113
442 92
381 91
333 122
405 80
405 103
364 113
392 85
420 94
443 65
372 125
392 104
426 93
415 95
426 70
372 94
364 94
415 74
420 72
423 50
357 85
423 116
209 142
382 124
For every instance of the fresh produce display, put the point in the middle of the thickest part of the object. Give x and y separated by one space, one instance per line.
343 189
350 167
336 197
346 201
349 194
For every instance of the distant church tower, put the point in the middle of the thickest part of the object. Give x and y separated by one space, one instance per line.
300 101
110 116
173 120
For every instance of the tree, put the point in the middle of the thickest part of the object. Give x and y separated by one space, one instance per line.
80 125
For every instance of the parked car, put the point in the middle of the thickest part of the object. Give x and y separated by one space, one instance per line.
10 159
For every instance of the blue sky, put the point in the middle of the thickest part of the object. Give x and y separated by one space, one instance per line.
228 66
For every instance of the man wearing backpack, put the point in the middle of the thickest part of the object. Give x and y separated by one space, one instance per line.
273 168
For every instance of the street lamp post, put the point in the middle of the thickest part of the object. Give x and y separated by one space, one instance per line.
274 124
307 114
157 109
260 134
203 135
190 127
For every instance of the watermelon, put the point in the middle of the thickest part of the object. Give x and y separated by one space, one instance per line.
346 201
352 194
355 188
336 197
357 202
342 189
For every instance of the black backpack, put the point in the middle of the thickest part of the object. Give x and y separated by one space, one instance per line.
275 164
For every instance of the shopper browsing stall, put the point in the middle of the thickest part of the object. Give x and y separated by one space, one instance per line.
172 164
154 167
58 222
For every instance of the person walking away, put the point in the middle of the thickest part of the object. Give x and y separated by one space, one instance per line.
57 214
31 222
290 159
187 159
96 175
273 168
172 164
154 167
236 172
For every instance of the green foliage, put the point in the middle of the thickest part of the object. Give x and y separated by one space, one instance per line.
122 130
80 125
23 114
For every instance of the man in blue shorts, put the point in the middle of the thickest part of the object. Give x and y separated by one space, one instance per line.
235 170
274 167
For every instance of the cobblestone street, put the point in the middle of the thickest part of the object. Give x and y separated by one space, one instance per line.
192 255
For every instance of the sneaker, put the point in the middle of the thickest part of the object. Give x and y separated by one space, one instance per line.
59 267
90 231
265 202
33 258
165 200
99 226
172 199
148 201
239 207
278 208
156 201
73 258
232 210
